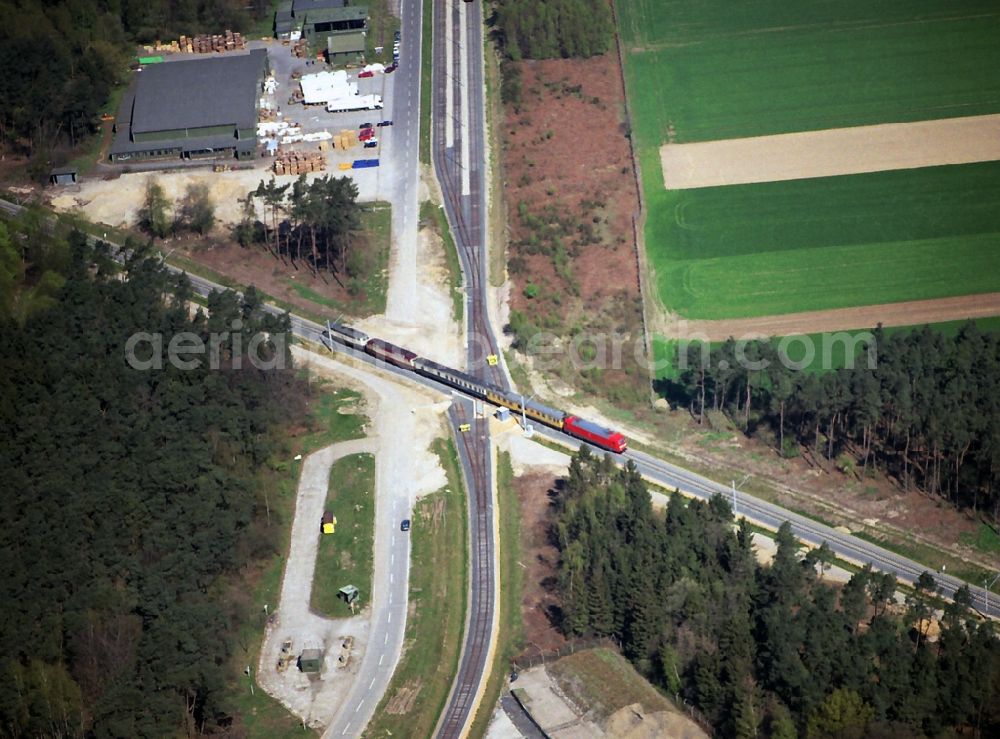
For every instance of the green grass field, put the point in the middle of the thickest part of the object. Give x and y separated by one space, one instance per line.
711 69
345 556
716 69
833 242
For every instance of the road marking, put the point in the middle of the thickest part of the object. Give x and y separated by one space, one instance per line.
392 560
346 728
386 640
359 705
382 657
371 684
389 619
390 578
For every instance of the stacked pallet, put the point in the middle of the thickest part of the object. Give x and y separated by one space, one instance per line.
209 43
346 139
296 162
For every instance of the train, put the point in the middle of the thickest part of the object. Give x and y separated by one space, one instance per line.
398 356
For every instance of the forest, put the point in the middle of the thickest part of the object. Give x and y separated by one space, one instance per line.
128 501
764 650
926 414
560 28
60 59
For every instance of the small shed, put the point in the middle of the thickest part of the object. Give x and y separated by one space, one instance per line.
503 414
329 524
346 48
63 176
311 660
348 594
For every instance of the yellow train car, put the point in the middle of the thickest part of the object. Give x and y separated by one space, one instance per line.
532 409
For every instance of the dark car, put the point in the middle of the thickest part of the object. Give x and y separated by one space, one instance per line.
392 68
371 144
366 125
405 526
384 123
396 35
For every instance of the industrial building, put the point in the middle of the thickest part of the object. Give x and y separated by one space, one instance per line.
199 108
316 19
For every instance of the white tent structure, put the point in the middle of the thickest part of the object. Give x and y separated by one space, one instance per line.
320 88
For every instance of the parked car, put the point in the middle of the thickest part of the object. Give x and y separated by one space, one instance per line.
366 134
405 525
363 126
396 35
392 68
371 144
384 123
366 74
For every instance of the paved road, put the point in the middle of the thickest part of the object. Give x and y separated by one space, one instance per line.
402 142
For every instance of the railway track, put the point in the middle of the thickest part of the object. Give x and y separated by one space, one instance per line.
457 136
481 599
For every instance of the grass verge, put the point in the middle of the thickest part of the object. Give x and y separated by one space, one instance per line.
262 716
434 217
928 556
426 58
510 633
381 26
497 217
345 557
419 687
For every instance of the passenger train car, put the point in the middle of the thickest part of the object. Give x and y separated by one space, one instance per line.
397 355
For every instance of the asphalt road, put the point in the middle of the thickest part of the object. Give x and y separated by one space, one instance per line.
391 577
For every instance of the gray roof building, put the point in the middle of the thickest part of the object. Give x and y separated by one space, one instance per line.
191 108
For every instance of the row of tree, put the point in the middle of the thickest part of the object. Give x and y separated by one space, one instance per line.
763 650
926 411
128 499
314 223
561 28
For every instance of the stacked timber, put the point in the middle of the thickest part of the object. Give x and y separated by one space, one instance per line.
296 162
210 43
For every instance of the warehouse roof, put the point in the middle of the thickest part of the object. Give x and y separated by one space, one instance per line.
299 7
345 43
333 15
198 93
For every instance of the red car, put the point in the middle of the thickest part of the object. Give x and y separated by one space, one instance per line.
367 74
366 134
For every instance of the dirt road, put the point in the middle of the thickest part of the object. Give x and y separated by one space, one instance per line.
914 312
